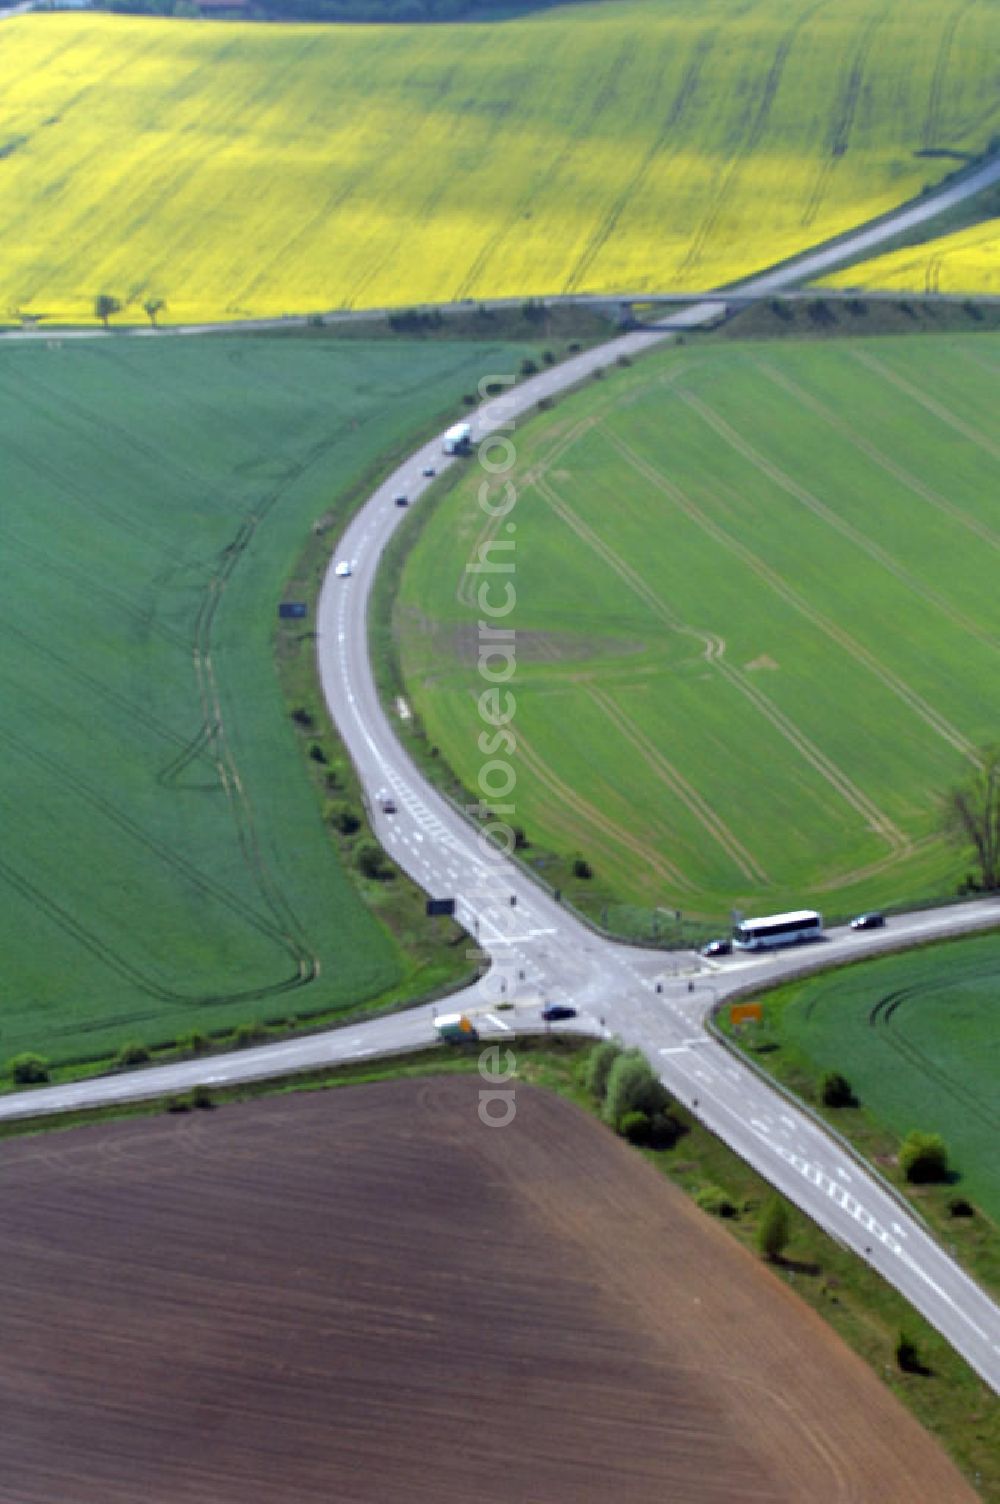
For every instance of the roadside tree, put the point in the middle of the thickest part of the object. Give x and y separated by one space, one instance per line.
105 306
972 816
773 1230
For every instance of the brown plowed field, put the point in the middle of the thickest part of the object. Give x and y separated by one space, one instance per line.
366 1297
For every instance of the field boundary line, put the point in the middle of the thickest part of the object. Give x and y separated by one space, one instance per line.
712 823
877 456
859 801
938 409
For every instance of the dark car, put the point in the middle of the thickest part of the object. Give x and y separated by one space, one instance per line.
872 921
717 948
401 500
553 1012
387 805
429 471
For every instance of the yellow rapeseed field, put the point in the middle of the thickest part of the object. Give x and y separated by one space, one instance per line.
966 261
238 170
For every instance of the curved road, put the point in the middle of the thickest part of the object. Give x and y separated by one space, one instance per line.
536 950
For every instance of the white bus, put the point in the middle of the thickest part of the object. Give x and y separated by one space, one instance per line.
778 929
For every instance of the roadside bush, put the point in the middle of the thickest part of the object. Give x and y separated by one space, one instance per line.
599 1062
194 1043
372 862
316 752
28 1070
908 1358
134 1052
664 1131
342 817
716 1201
923 1158
835 1091
528 366
201 1098
773 1229
635 1127
632 1086
302 718
548 358
249 1033
582 868
958 1206
178 1104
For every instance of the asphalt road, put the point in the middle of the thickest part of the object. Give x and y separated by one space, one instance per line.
538 952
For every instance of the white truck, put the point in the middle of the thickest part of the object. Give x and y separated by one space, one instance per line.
457 439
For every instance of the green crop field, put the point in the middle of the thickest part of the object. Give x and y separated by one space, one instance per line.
234 170
756 619
916 1036
165 866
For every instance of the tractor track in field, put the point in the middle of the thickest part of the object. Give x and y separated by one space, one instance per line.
874 818
932 123
916 702
840 134
930 404
883 1014
749 138
964 519
685 94
711 823
536 190
93 686
116 815
593 818
829 628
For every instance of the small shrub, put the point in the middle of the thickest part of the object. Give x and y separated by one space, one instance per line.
632 1086
773 1229
545 404
635 1127
316 753
520 839
664 1130
194 1043
373 863
923 1158
548 358
821 313
202 1098
624 360
468 399
134 1052
574 347
247 1034
28 1069
302 718
582 868
908 1358
343 818
958 1206
528 366
835 1091
717 1202
178 1104
599 1062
